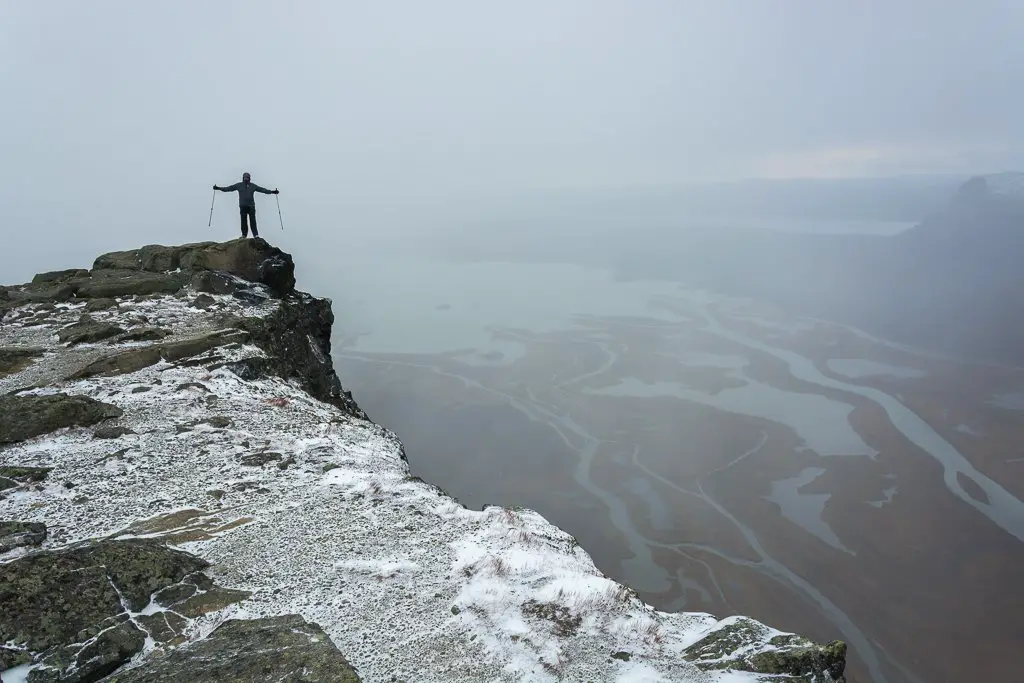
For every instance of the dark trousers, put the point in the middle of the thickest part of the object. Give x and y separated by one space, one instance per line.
250 212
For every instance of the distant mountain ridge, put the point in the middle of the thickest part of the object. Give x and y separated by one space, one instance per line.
953 283
986 210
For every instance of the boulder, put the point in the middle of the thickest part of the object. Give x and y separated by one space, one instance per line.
746 645
88 331
219 421
16 358
59 276
21 534
121 363
141 334
42 293
133 360
254 260
118 260
25 417
111 432
153 258
124 283
267 650
12 476
100 304
218 282
68 608
259 459
203 301
804 659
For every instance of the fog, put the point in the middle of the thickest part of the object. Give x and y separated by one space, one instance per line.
601 259
377 118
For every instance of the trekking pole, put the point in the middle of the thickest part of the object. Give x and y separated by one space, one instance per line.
279 212
211 208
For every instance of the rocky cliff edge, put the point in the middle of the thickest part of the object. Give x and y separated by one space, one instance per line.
188 494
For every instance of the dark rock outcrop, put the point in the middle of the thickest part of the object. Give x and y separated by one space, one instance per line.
20 535
260 459
88 331
110 284
14 475
68 608
12 656
297 341
15 358
100 304
790 656
132 360
158 270
254 260
153 258
808 661
141 334
59 276
116 642
220 282
46 292
265 650
25 417
203 301
111 432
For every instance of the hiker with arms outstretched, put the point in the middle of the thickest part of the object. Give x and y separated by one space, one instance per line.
246 201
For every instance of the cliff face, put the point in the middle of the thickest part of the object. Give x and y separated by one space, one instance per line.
188 493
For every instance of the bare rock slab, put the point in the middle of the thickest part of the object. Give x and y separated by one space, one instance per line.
25 417
269 650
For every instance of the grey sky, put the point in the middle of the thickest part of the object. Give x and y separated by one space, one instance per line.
119 115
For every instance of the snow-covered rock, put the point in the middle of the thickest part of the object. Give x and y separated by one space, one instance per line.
232 440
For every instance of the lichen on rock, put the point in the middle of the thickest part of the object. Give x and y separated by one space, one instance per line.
284 648
14 358
296 339
79 613
60 605
746 645
88 331
18 474
20 534
24 417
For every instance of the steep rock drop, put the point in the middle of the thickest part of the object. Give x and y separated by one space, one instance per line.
187 491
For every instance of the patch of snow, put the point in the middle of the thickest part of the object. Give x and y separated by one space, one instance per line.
17 674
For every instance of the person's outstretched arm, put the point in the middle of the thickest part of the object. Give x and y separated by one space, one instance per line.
229 188
263 189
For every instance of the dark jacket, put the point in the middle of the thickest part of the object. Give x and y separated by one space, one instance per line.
245 192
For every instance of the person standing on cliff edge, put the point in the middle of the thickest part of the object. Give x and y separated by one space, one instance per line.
246 201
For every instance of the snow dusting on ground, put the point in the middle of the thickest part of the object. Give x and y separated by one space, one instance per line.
315 513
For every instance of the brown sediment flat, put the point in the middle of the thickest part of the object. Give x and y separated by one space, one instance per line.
927 582
953 393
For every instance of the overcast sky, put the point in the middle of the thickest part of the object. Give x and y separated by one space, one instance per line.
118 116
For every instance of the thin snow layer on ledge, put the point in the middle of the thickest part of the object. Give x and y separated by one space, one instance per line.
408 584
